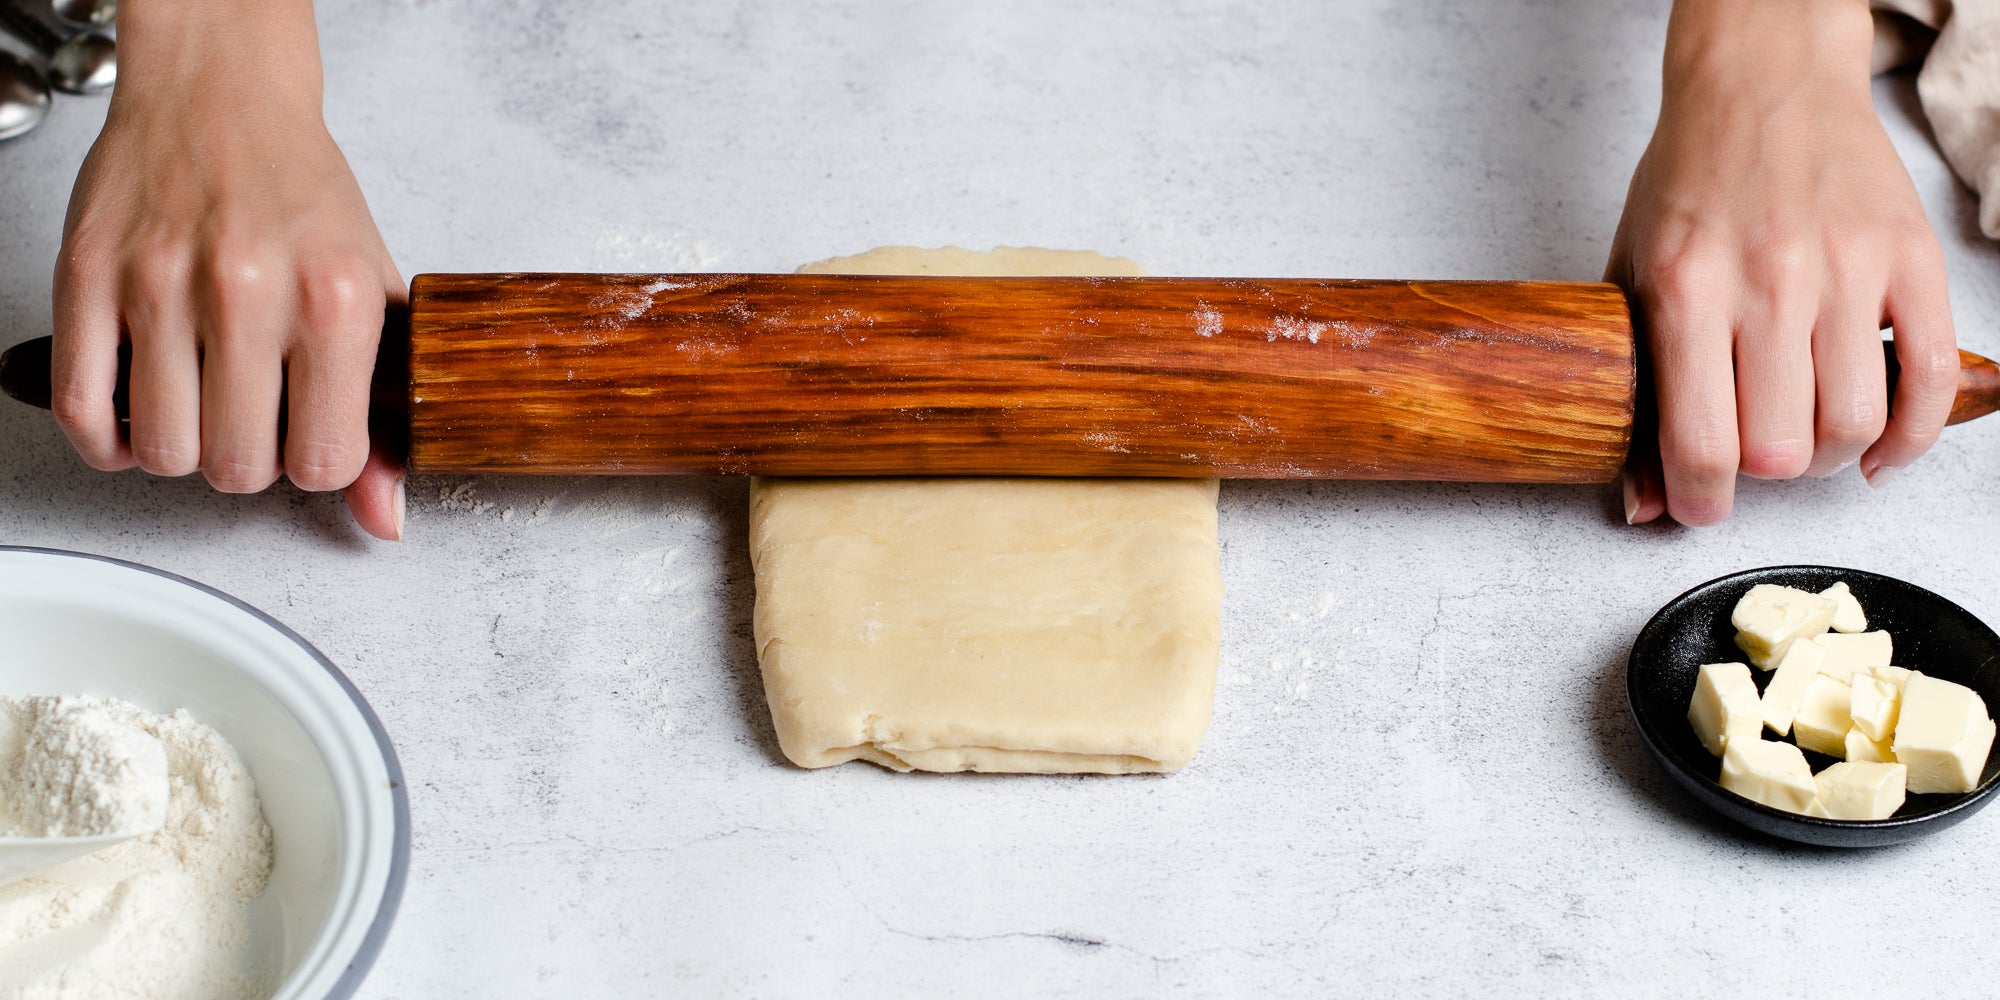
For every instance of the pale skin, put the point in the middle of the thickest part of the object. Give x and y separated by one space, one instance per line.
1769 234
216 226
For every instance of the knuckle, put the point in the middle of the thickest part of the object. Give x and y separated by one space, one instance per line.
1855 421
155 279
1686 276
1697 511
234 272
81 262
158 242
1933 366
323 465
231 474
343 298
1704 456
1776 459
1788 256
164 458
1851 261
74 411
1914 240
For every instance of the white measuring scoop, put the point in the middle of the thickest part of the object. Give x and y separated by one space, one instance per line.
21 857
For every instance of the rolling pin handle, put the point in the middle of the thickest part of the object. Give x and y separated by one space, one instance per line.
1978 384
24 370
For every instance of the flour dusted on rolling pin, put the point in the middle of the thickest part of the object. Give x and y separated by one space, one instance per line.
163 916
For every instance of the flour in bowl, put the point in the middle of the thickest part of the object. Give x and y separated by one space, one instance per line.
69 768
161 917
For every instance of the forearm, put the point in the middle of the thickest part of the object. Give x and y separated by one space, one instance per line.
1725 43
195 48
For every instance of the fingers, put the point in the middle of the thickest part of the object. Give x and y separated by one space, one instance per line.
165 386
328 375
1851 383
241 378
1927 352
1690 345
83 370
376 495
1645 492
1774 367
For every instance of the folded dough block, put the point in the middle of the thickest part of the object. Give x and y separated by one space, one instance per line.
1024 625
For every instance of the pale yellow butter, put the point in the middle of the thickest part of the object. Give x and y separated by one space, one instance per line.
1846 654
1769 772
1858 790
1847 613
1943 734
1823 719
1725 706
1872 705
1861 748
1787 689
1769 617
1894 676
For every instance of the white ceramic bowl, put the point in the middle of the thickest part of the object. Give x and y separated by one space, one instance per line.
331 788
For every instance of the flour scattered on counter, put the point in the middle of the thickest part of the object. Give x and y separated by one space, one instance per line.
1324 605
462 497
162 916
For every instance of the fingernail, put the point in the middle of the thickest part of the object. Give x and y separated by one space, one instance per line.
1631 499
397 501
1883 475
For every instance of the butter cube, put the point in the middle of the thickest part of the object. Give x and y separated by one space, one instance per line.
1894 676
1943 734
1769 617
1725 706
1847 653
1769 772
1861 748
1850 790
1872 705
1787 689
1847 615
1823 720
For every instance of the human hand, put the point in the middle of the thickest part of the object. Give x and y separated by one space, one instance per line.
216 226
1769 234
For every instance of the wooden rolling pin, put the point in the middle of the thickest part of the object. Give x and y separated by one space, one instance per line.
783 374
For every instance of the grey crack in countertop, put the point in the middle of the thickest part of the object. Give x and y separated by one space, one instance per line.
1420 778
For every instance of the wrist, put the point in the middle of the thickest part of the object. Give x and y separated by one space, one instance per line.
1821 42
257 52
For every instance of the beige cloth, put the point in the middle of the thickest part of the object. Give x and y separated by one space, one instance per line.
1959 85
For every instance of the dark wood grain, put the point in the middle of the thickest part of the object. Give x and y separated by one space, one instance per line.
854 375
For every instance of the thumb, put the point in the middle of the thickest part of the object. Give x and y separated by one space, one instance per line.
376 496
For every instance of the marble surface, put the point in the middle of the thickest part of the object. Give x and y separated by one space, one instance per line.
1420 778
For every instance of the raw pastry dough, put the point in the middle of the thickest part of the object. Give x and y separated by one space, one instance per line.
1027 625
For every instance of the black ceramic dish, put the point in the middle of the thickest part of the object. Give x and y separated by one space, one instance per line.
1931 634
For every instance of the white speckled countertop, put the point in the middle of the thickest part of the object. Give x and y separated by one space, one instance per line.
1420 779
